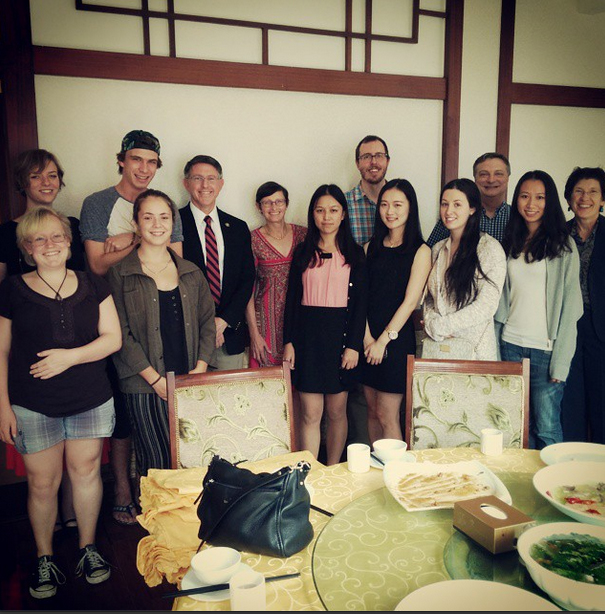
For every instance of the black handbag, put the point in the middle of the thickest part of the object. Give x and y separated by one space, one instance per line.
264 513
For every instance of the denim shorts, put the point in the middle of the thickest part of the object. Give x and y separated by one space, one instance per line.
37 432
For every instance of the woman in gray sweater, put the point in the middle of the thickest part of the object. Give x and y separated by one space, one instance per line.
541 300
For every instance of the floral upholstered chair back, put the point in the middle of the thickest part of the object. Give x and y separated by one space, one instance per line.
239 415
449 409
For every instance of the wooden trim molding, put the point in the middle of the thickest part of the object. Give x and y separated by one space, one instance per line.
145 13
505 76
558 95
454 26
132 67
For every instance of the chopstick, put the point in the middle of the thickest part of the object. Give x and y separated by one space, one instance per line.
376 458
321 511
222 587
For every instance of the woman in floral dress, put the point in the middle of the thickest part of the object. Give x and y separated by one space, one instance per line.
272 245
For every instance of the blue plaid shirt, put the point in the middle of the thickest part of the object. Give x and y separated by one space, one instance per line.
493 226
362 212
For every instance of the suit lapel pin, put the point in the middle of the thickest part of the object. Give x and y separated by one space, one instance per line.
227 224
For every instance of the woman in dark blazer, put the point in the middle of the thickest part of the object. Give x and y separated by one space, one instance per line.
583 406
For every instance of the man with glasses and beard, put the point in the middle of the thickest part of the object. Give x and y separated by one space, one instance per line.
372 159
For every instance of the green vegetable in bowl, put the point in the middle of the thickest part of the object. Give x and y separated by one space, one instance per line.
575 556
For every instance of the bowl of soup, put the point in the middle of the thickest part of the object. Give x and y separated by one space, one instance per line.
567 561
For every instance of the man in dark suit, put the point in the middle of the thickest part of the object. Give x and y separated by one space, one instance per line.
220 245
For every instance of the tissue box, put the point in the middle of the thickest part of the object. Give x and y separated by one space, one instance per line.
490 522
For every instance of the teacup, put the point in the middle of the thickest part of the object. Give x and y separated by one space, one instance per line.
390 449
216 565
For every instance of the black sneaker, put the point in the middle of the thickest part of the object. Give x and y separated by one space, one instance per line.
94 567
45 578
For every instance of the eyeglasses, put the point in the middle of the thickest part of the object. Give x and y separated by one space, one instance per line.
278 202
56 238
380 157
201 178
591 194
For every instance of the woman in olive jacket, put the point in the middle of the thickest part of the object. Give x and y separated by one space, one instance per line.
167 317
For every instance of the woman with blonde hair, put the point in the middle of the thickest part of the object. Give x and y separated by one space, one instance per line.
57 326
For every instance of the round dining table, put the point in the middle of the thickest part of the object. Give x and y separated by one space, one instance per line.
368 552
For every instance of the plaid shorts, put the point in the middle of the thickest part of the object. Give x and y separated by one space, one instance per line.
37 432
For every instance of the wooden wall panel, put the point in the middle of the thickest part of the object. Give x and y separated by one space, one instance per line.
18 129
131 67
451 105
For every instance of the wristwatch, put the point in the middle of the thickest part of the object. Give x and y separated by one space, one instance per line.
391 334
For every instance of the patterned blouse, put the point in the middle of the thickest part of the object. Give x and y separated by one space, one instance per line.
585 249
272 270
475 321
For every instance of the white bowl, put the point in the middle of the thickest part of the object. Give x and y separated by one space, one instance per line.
216 565
569 594
570 473
390 449
573 450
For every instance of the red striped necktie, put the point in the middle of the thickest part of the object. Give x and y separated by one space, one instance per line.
212 268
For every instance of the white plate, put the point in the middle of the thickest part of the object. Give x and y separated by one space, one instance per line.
570 473
408 457
190 580
395 470
474 596
572 450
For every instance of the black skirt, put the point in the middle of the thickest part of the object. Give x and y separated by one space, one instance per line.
319 345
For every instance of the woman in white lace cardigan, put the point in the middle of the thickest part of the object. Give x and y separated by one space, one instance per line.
465 283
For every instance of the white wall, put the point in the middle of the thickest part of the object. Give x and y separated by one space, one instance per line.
479 100
300 140
555 44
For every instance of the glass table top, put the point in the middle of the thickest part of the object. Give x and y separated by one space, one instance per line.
373 553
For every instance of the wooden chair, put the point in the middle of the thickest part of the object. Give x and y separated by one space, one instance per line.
241 415
449 402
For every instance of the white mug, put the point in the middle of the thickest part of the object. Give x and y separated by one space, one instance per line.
491 442
247 592
358 457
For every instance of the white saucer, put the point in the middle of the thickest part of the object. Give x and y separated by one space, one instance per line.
408 457
190 580
473 595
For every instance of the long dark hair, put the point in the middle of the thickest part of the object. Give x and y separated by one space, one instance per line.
551 238
307 253
462 274
412 234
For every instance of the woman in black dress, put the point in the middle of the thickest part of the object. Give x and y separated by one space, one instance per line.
398 262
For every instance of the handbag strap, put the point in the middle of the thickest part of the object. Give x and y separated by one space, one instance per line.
273 477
